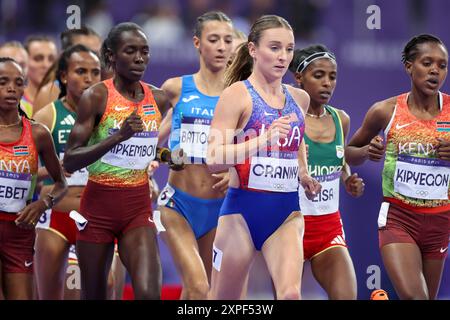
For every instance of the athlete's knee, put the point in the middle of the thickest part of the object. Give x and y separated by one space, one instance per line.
111 286
290 293
413 295
144 291
196 291
343 294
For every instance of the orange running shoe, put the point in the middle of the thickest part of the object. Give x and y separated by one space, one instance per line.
379 294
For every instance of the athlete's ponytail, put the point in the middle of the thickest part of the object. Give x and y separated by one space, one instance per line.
241 67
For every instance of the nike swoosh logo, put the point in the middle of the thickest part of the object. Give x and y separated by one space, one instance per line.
151 221
442 250
190 98
118 108
398 126
27 264
269 114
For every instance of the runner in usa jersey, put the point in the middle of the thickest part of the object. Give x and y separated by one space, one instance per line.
413 221
22 141
257 132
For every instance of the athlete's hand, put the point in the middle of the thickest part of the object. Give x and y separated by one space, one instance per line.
222 184
132 124
29 216
376 149
354 185
66 174
178 159
279 129
443 149
312 186
154 165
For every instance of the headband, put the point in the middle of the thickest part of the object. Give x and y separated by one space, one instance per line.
318 55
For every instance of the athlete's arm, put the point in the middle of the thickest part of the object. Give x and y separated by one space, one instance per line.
354 185
45 95
222 152
46 150
44 116
162 100
91 107
172 90
164 128
312 186
366 143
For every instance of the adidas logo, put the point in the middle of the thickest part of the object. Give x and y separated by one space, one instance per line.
69 120
338 240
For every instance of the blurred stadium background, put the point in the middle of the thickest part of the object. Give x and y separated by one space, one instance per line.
369 70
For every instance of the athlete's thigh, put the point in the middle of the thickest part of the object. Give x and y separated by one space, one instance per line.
334 271
51 252
432 271
18 286
182 244
2 297
205 245
403 263
138 250
94 260
233 254
283 252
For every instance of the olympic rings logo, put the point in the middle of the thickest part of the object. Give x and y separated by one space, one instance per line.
422 193
278 186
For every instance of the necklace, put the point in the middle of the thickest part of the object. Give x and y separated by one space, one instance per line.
11 124
324 113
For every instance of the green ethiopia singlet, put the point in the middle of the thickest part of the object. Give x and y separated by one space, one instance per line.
325 163
63 121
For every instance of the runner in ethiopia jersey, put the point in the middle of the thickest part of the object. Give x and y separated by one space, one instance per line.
115 135
77 69
21 142
315 71
191 201
257 132
414 217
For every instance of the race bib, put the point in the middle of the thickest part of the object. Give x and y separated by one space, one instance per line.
165 195
14 190
422 178
194 136
327 201
78 178
136 153
274 174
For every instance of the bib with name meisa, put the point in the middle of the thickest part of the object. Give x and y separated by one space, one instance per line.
136 153
327 201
